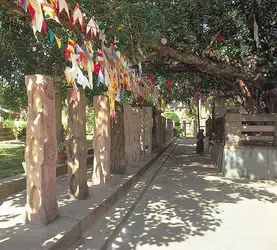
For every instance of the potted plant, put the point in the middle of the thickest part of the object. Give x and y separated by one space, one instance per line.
62 157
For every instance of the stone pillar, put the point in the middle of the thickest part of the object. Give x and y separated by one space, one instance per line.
102 140
77 146
41 151
184 128
148 124
209 127
164 129
58 105
135 134
154 130
275 133
232 129
128 113
118 161
142 131
169 129
159 129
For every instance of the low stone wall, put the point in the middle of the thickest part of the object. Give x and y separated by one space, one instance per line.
246 161
6 134
15 184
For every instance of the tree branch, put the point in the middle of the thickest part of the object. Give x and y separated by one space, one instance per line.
217 69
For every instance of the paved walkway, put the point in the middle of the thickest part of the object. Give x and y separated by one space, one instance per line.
189 206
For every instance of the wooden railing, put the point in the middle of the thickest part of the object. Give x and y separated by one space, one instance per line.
240 129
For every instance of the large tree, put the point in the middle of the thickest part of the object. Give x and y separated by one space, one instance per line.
221 39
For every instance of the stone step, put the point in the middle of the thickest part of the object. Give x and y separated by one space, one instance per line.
105 230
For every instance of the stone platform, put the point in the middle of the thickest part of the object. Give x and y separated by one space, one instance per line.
75 217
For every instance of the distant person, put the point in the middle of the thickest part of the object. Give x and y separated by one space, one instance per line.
200 142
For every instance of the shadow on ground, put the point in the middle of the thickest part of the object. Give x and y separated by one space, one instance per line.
184 201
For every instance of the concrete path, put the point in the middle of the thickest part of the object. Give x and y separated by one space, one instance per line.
190 206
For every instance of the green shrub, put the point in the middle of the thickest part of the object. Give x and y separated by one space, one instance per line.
90 121
21 134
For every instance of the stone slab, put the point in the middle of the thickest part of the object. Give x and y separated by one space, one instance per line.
103 232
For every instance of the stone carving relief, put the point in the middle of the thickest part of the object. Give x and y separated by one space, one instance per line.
41 151
232 133
141 132
148 125
77 146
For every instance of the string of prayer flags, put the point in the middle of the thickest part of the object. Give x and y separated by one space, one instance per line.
101 77
34 7
70 48
49 12
53 4
77 15
63 6
111 67
92 27
58 41
51 37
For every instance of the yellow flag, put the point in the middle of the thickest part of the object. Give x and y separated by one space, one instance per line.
58 41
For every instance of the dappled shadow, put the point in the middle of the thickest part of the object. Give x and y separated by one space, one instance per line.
185 201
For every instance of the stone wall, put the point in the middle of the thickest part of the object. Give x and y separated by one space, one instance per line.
246 162
6 134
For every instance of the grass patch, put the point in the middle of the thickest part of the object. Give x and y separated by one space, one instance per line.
11 157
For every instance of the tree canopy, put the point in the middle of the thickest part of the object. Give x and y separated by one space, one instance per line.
204 43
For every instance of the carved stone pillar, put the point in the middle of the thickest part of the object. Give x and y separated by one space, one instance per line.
135 134
41 151
148 124
102 140
154 130
159 129
77 146
184 128
58 105
128 114
164 129
141 131
118 161
170 129
232 129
